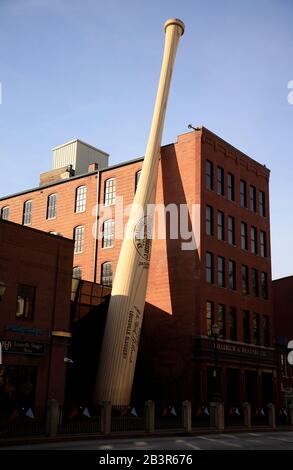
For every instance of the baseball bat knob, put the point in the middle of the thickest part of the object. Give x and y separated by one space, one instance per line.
177 22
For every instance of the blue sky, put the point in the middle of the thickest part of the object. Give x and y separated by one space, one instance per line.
89 69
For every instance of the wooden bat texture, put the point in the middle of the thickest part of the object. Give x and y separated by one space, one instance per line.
124 319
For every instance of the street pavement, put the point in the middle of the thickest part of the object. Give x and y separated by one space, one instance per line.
237 441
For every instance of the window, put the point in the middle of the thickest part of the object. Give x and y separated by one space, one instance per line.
137 176
77 272
255 326
27 213
209 220
25 302
232 275
233 324
262 204
5 213
266 330
78 239
245 279
106 274
221 321
243 196
221 227
209 267
264 285
221 271
255 289
252 196
253 240
80 199
231 230
108 234
244 244
220 181
110 192
263 243
246 327
51 206
209 175
209 317
231 187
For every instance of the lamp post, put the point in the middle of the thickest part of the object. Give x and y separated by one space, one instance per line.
215 333
2 289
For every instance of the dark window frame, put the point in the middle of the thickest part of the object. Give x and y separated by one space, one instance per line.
233 324
221 272
52 206
5 213
28 294
232 275
246 326
108 233
253 240
209 220
209 175
245 279
262 203
231 187
243 193
220 225
244 236
107 273
210 316
78 237
231 230
80 199
110 192
220 181
263 243
209 267
252 198
27 212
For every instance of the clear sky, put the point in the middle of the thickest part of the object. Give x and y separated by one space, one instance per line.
89 69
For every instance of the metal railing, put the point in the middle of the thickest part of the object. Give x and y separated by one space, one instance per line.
79 420
23 422
127 418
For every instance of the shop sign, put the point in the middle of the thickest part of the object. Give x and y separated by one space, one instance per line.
22 347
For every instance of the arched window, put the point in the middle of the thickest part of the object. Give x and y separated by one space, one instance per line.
51 206
106 274
5 213
108 234
110 192
77 272
80 199
27 213
137 176
78 239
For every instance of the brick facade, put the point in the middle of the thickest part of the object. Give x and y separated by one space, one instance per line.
176 346
42 263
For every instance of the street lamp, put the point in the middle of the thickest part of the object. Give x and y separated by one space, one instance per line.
216 333
2 289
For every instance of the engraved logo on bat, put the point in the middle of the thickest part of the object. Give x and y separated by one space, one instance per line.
142 237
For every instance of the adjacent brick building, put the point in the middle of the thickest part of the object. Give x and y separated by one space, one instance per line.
36 269
226 280
283 313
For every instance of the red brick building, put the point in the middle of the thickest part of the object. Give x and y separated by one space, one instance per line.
36 269
225 281
283 312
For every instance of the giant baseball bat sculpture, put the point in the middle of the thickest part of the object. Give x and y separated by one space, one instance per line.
122 330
